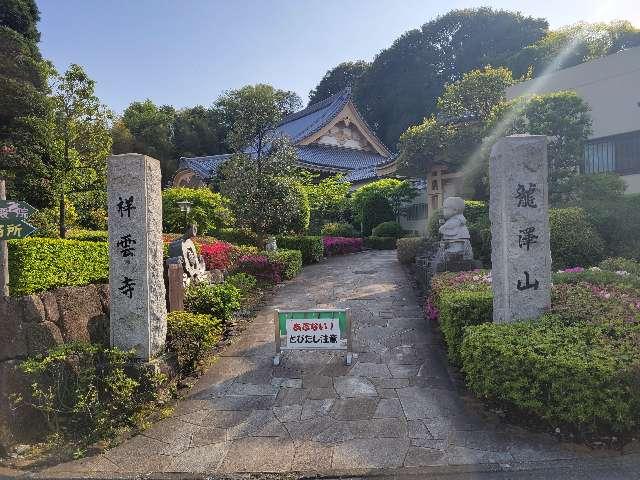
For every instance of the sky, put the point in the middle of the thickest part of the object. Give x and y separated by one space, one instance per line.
187 52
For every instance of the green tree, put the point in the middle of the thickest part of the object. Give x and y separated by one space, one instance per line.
251 114
412 73
23 100
121 137
209 210
78 139
458 130
585 41
564 118
198 131
152 130
328 200
345 74
266 195
375 199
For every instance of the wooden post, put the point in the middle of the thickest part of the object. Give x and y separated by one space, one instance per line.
176 287
349 358
4 251
276 321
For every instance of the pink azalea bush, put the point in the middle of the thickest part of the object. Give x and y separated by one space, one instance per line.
261 267
341 245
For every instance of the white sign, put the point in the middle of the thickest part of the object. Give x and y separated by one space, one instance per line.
305 334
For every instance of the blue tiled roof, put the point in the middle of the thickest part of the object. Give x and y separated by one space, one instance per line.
205 167
306 122
337 157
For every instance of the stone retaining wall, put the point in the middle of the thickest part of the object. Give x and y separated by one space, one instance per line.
33 324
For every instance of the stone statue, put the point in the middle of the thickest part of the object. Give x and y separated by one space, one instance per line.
271 245
454 231
184 250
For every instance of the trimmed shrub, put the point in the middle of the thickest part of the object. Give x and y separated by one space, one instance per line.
457 310
88 392
583 376
376 210
190 336
341 245
339 230
237 236
387 229
290 259
408 248
88 235
209 210
620 264
261 267
380 243
39 264
311 247
219 300
243 282
573 240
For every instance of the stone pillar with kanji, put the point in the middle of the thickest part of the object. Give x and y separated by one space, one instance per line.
519 213
138 306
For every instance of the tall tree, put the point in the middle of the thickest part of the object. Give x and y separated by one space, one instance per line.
198 131
404 81
79 139
345 74
251 114
579 43
152 130
23 99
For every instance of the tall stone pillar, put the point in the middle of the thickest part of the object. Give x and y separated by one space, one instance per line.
138 306
519 213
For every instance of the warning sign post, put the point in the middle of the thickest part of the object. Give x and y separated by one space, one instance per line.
312 330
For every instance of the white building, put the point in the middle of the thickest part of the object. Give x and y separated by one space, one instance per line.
611 87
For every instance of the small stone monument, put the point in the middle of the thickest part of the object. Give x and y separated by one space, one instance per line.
453 253
183 250
454 231
519 213
138 309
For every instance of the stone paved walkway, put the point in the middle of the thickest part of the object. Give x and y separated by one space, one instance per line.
394 409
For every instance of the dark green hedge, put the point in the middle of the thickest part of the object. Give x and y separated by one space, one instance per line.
292 260
236 236
574 242
585 377
457 310
311 247
38 264
88 235
380 243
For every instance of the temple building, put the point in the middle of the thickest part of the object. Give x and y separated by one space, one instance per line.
330 137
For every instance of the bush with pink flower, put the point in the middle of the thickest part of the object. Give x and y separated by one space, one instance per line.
341 245
261 267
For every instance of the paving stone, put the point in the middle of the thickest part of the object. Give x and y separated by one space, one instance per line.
388 408
313 457
287 413
417 429
390 382
370 453
354 387
252 389
286 382
316 408
371 370
422 457
320 393
403 371
225 418
140 455
202 459
317 381
255 422
418 402
291 396
354 408
244 402
387 393
208 436
258 454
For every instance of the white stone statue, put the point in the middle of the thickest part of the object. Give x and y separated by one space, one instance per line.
454 231
271 245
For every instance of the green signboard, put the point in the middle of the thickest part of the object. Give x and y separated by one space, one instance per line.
13 216
312 330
